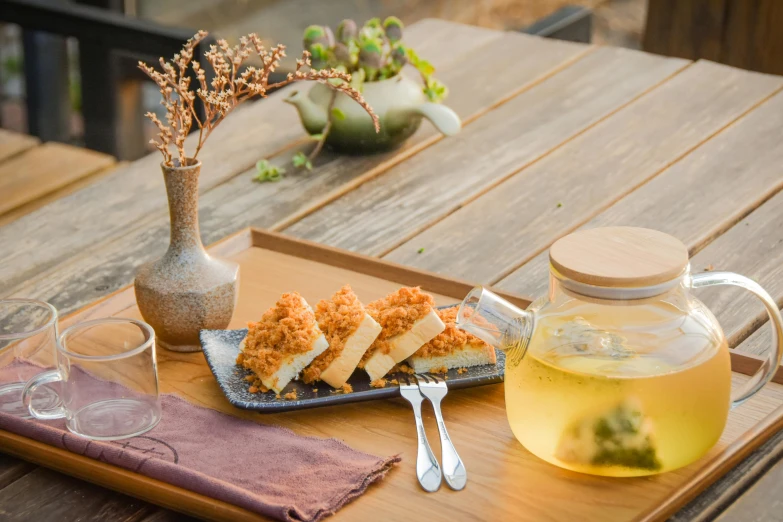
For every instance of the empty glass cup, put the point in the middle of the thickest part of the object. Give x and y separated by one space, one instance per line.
109 379
28 334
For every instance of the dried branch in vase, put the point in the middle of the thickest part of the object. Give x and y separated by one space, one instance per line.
232 85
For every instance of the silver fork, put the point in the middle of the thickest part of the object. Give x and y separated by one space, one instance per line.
434 389
427 467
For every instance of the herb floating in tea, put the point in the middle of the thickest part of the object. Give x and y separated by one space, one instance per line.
233 84
621 437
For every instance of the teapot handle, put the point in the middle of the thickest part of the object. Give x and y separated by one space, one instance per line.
772 360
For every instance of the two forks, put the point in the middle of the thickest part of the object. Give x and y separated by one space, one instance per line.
428 470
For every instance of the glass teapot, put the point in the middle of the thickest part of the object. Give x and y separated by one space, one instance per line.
619 370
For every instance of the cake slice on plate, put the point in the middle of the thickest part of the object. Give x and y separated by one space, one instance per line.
452 348
283 342
408 321
350 331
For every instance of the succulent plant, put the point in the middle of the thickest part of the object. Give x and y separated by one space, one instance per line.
346 31
370 53
392 26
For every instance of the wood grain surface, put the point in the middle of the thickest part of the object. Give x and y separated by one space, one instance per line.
753 247
475 417
12 143
612 159
44 169
692 29
239 202
384 212
697 198
12 469
43 491
619 257
70 188
762 501
740 33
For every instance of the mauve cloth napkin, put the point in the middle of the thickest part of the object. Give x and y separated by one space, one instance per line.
265 469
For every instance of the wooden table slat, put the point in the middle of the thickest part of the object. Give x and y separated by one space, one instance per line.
43 495
384 212
587 174
13 143
754 248
240 202
697 198
45 169
27 208
12 469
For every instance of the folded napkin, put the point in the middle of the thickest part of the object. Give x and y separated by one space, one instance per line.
265 469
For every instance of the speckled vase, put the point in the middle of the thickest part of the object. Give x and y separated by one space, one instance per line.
186 290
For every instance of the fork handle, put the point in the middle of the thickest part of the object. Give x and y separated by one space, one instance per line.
427 468
453 469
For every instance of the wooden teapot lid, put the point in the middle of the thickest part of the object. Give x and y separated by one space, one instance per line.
625 257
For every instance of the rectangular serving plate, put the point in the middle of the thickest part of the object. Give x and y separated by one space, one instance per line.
221 348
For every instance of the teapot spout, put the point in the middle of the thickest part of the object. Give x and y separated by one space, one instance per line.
313 116
444 119
497 322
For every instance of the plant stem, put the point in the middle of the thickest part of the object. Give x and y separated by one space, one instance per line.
325 131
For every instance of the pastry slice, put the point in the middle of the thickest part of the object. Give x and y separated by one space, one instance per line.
349 330
283 342
409 320
452 348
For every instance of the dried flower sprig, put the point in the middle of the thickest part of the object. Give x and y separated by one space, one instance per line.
231 85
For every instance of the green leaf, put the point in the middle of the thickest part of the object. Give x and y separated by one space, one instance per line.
300 160
338 114
265 171
425 68
393 27
357 80
435 90
375 23
420 251
313 33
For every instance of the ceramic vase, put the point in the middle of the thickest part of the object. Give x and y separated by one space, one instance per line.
186 290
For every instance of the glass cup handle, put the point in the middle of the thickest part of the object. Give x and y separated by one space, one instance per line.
29 390
772 360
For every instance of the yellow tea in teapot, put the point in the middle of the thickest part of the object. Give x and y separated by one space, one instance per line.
619 370
620 390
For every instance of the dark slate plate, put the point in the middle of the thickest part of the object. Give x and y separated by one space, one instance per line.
222 346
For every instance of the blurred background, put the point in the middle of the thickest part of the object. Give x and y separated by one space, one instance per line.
44 85
56 54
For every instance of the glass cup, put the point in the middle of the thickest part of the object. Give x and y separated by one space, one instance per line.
109 378
28 334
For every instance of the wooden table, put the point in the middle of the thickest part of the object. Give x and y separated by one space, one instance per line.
557 136
33 174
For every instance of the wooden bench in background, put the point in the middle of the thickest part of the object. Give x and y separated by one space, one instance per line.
34 173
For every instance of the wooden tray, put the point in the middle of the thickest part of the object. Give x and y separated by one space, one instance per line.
505 482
